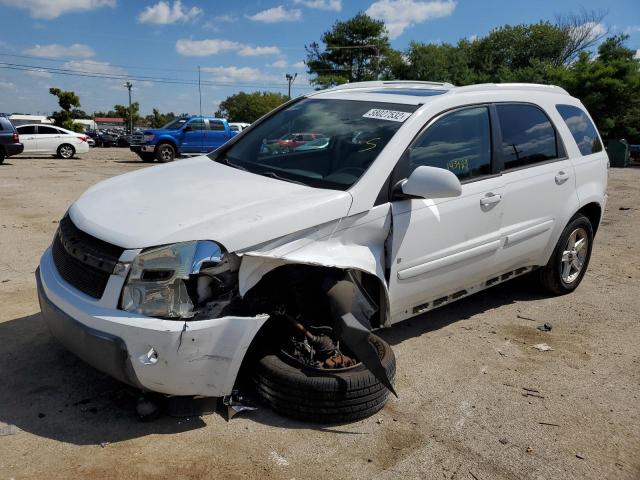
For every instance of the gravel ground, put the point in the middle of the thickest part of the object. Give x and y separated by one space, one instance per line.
476 400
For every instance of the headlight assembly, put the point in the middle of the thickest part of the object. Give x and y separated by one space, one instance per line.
165 281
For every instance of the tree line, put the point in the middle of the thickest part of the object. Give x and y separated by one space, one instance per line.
358 49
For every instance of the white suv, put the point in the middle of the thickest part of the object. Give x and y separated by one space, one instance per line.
282 261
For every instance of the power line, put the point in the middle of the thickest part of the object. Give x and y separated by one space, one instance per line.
141 78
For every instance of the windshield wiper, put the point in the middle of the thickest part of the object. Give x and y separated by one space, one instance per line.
278 177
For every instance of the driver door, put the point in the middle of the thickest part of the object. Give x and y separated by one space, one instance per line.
442 246
193 136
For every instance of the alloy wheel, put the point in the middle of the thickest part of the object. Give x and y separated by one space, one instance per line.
574 255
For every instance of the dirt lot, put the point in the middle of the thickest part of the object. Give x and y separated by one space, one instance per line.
476 401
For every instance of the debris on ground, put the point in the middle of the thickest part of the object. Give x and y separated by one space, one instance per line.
624 208
9 430
542 347
526 318
546 327
278 459
580 456
104 444
147 410
549 424
236 403
503 441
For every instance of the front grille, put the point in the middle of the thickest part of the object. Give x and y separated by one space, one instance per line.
136 139
83 261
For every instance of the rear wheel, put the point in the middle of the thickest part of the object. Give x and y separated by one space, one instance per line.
165 153
323 395
66 151
570 259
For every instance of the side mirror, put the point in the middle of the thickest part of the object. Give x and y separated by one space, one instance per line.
431 182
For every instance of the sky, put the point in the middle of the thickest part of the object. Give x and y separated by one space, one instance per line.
238 45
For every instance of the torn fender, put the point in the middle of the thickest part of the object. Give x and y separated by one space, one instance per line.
356 242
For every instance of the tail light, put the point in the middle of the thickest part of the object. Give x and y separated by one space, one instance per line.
16 138
84 139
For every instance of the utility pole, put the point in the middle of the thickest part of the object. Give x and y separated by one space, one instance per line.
199 90
290 78
129 85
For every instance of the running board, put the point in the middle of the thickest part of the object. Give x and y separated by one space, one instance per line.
439 302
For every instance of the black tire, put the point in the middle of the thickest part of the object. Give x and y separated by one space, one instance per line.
550 276
165 153
2 156
147 157
323 396
63 149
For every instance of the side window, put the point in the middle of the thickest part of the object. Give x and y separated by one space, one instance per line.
216 125
196 124
527 135
47 130
582 129
459 142
26 130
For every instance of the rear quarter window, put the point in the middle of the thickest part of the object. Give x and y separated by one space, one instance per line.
582 129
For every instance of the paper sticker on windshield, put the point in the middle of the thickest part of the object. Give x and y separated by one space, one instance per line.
393 115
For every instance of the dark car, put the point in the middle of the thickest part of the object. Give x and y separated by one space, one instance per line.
9 141
124 141
106 140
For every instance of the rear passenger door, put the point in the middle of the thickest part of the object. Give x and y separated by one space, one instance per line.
539 184
441 246
215 135
28 138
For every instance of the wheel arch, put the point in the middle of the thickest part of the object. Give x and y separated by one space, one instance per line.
593 211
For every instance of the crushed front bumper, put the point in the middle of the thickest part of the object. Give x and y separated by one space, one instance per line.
167 356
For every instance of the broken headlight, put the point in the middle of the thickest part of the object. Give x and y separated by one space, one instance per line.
163 281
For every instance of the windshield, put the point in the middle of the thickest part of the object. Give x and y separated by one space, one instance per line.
320 143
175 124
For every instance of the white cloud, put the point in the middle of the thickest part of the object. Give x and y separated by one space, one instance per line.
335 5
473 38
162 13
50 9
279 64
225 19
597 29
299 65
249 51
203 48
276 14
401 14
214 46
237 74
39 73
632 29
93 66
54 50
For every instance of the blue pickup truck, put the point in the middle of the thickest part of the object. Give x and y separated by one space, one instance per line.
181 137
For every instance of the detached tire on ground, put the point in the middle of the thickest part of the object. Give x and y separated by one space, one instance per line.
323 396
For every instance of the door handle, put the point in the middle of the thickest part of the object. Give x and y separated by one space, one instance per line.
490 199
561 177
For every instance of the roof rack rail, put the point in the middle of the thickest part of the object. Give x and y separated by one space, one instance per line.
389 83
513 86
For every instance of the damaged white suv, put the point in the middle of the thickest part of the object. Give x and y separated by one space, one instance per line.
340 212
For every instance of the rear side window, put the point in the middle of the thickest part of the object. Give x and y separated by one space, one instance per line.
27 130
216 125
459 142
47 130
582 129
528 136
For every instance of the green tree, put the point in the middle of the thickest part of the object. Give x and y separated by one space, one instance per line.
248 107
157 119
354 50
122 111
609 86
66 100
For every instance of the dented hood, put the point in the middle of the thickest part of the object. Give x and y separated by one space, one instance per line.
200 199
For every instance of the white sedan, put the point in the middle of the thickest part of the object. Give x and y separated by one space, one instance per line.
52 140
